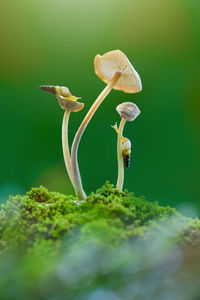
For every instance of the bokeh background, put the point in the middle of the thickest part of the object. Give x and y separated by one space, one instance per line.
55 42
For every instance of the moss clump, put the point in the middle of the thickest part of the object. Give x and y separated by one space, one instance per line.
108 217
111 246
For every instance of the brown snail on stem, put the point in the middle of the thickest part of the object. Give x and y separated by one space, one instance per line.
125 147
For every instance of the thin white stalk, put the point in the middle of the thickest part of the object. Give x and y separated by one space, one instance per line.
65 145
120 179
74 152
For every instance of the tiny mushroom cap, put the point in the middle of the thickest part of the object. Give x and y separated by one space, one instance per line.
128 111
116 61
70 105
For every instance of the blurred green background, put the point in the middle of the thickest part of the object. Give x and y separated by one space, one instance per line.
55 42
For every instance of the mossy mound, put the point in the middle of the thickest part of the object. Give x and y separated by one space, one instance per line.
108 216
112 246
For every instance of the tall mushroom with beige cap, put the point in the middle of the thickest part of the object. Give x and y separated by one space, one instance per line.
115 69
128 111
107 65
69 103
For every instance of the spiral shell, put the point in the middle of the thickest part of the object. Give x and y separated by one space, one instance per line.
57 90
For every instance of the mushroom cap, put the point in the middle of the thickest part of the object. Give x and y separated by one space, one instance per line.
128 111
116 61
70 105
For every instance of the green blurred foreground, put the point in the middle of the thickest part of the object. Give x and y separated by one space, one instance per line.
112 246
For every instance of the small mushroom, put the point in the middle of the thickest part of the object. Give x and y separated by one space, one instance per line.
128 111
69 103
115 69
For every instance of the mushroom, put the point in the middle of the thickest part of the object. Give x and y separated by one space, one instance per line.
107 65
128 111
69 103
115 69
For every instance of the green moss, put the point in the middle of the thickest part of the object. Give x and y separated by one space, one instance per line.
107 217
54 246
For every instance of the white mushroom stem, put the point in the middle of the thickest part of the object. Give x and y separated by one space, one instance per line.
74 152
65 144
120 179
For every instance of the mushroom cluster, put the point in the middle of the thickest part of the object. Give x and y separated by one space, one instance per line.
116 71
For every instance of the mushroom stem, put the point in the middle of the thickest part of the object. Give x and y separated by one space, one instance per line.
120 179
65 144
74 152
